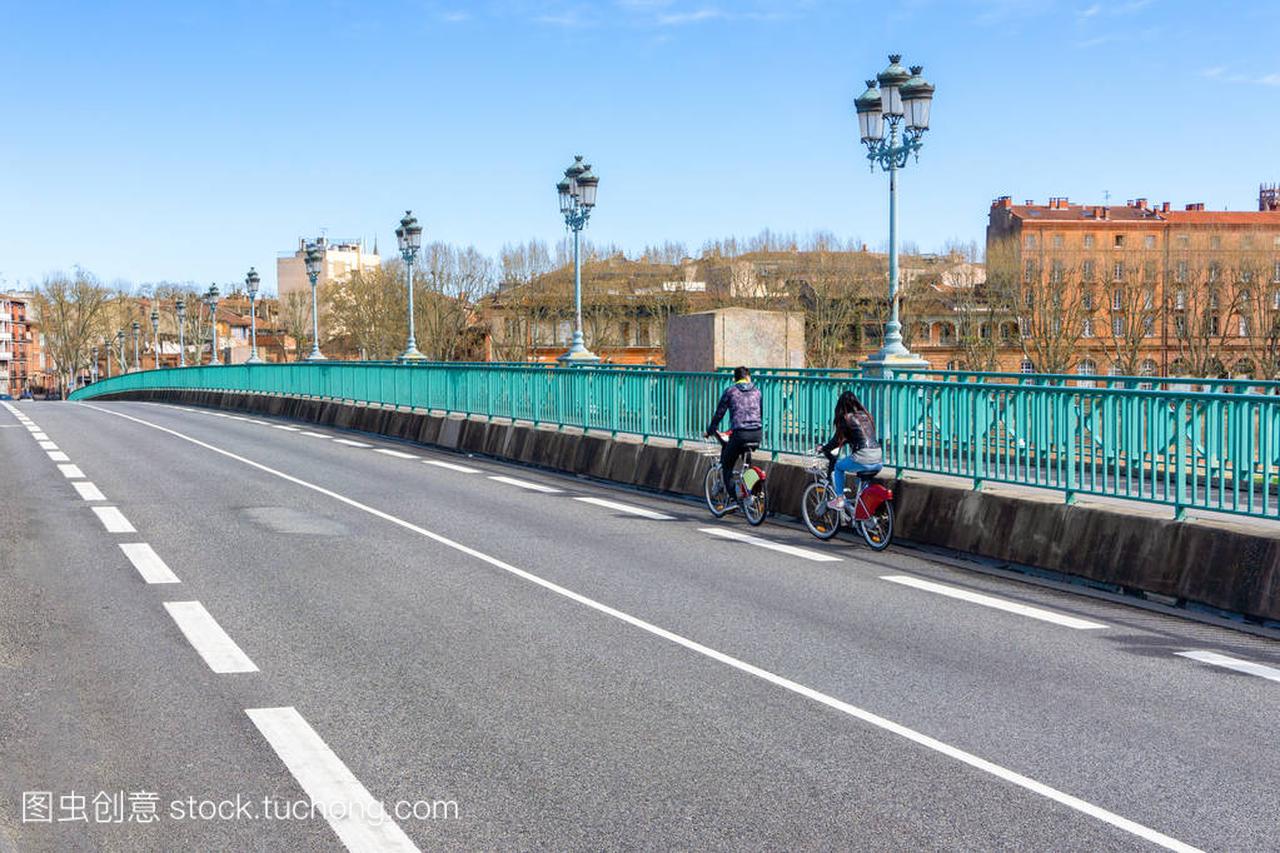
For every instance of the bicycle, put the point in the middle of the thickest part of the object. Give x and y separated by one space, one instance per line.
750 483
869 510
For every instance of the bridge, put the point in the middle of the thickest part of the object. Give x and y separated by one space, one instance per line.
459 606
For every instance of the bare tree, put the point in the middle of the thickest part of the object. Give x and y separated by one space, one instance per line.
1049 310
73 314
446 290
295 319
1121 305
1202 301
366 307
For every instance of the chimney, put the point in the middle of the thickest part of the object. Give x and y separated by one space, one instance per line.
1003 201
1029 202
1199 205
1106 212
1164 207
1141 204
1269 198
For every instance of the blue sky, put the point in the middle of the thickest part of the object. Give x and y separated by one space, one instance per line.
188 141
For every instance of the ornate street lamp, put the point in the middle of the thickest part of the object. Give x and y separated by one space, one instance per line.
314 259
409 236
252 281
211 299
577 192
106 346
137 363
903 100
120 354
155 335
182 338
93 366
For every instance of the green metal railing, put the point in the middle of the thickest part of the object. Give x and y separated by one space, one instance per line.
1214 451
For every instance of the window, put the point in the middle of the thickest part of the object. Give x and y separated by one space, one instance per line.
1088 241
1148 326
1086 301
1087 270
1119 241
1029 274
1242 327
1086 328
1113 369
1117 299
1147 368
1056 272
1184 241
1246 274
1215 242
1246 242
1182 273
1117 326
1117 271
1026 366
1275 272
1214 325
1148 299
1180 325
1149 241
1031 241
1149 271
1215 271
1086 367
1057 241
1213 299
1275 299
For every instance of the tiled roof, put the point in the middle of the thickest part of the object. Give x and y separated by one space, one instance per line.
1224 217
1084 213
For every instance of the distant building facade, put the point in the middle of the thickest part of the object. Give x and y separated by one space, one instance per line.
341 257
21 363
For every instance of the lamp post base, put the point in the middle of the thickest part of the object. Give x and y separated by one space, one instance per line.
411 354
253 359
578 355
316 356
883 364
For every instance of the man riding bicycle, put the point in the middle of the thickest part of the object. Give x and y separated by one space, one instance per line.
743 403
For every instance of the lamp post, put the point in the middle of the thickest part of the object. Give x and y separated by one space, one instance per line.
211 299
93 366
182 338
252 281
137 362
577 191
409 236
155 336
124 368
314 257
903 100
106 345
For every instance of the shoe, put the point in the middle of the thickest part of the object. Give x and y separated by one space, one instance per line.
836 504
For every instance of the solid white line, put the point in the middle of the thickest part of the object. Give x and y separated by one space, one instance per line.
206 635
148 563
461 469
58 456
396 453
620 507
1267 672
313 434
88 491
997 603
39 436
71 472
525 484
113 519
285 428
806 553
1011 776
349 443
358 819
47 445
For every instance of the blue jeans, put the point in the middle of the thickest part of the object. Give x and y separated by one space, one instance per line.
846 465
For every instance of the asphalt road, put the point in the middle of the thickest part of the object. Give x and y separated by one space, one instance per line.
349 636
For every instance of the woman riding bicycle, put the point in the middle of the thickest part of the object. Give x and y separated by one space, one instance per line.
854 427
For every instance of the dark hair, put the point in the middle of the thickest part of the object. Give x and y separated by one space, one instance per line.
848 404
740 373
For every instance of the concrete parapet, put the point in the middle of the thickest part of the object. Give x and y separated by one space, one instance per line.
1233 567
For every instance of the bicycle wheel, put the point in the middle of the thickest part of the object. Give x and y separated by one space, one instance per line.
756 506
822 521
713 488
878 529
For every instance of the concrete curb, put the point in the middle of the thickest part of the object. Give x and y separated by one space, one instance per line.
1229 569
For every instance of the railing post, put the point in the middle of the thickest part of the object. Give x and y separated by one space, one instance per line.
1073 419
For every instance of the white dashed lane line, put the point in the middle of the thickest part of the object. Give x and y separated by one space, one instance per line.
58 456
113 519
525 484
349 443
362 824
1249 667
396 453
71 472
461 469
39 436
148 563
212 643
311 434
285 428
628 508
88 491
759 542
995 603
47 445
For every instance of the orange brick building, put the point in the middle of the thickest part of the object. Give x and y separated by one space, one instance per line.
20 363
1138 288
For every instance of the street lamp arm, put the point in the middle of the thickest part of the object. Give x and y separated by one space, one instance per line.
888 155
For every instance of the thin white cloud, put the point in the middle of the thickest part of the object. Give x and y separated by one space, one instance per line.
676 19
1226 75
